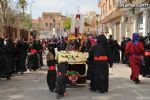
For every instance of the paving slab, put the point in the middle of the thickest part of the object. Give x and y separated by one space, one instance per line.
33 86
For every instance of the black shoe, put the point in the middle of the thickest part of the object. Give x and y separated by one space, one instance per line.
58 96
137 81
101 92
91 89
34 69
52 90
8 78
147 76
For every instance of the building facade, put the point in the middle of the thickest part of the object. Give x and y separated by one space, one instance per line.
49 24
91 23
122 20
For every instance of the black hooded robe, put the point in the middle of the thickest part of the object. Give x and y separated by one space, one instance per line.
11 55
51 75
4 69
100 70
61 78
146 68
33 60
20 63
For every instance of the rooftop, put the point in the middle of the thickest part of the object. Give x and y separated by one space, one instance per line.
51 13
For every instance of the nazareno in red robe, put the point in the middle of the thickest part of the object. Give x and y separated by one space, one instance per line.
134 52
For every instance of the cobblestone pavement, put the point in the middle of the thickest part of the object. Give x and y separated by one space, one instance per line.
33 86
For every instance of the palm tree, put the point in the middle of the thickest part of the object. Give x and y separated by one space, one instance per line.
130 1
23 4
7 14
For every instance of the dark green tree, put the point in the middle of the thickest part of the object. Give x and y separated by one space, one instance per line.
67 24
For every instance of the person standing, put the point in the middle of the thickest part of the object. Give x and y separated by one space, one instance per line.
126 61
51 47
51 74
20 62
123 44
116 53
11 55
88 49
88 45
146 69
100 57
39 48
134 50
25 47
61 80
33 58
4 67
111 44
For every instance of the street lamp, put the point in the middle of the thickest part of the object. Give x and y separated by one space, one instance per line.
31 30
54 30
98 25
60 34
59 27
31 9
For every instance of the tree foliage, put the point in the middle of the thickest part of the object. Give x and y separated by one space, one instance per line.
24 22
8 12
67 23
23 4
11 15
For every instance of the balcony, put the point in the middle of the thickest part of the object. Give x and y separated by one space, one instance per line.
111 12
108 12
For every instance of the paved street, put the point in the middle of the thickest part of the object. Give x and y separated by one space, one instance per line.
33 86
72 31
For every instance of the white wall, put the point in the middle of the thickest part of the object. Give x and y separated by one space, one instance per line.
145 22
148 26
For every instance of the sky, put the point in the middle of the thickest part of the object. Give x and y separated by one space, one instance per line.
65 7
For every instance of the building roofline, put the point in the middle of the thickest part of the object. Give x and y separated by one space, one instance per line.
51 13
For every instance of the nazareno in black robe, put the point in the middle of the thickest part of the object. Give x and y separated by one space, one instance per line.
61 78
4 70
100 68
20 62
145 69
51 75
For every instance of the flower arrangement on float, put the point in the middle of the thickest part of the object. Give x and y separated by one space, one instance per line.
71 56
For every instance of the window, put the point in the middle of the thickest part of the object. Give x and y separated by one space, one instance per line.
140 21
109 3
104 9
106 5
51 25
50 17
45 17
114 2
46 24
101 10
148 21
